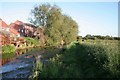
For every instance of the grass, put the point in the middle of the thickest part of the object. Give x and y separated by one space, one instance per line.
112 48
88 59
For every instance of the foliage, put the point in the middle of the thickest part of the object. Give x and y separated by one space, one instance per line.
39 14
36 70
50 52
10 55
32 41
57 25
8 48
99 37
84 60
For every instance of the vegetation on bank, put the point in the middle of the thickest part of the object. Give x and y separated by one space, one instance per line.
31 42
83 60
8 48
98 37
90 57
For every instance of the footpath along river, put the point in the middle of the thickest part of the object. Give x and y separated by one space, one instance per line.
21 64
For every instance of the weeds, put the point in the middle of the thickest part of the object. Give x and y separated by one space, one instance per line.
85 60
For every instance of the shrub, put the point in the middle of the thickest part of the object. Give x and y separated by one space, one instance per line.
8 48
84 60
32 41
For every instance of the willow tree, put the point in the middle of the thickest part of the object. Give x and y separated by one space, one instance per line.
39 14
57 25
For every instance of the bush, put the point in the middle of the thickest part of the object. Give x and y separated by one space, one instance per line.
8 49
32 41
84 60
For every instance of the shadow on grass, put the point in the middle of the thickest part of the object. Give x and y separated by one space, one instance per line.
76 61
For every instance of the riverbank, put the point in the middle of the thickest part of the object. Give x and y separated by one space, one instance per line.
31 43
27 47
82 60
20 66
11 49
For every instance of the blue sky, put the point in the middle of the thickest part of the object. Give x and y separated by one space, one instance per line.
96 18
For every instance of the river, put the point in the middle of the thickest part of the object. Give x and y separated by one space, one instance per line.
20 65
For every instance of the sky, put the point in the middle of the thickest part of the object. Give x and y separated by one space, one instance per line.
95 18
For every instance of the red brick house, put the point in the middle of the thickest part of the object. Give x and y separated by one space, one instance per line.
17 29
4 33
24 29
3 26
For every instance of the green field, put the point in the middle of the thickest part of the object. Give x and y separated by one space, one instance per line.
84 59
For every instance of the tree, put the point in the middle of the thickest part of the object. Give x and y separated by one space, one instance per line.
40 14
88 36
69 29
58 27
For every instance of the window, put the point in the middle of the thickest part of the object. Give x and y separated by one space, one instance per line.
7 29
15 39
22 30
18 35
19 30
3 28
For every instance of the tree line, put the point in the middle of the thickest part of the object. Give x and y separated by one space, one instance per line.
95 37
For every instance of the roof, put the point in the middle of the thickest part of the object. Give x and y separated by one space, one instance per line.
12 25
3 24
18 22
14 31
31 25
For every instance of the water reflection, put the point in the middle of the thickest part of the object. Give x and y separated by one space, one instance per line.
6 60
20 64
12 56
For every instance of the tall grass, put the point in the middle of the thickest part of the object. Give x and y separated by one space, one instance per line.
85 60
112 48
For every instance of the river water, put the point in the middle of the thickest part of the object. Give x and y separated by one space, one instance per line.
20 65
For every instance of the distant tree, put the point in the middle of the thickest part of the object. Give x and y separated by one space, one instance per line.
88 36
107 37
79 38
116 38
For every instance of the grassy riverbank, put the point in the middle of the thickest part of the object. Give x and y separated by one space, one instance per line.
83 60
